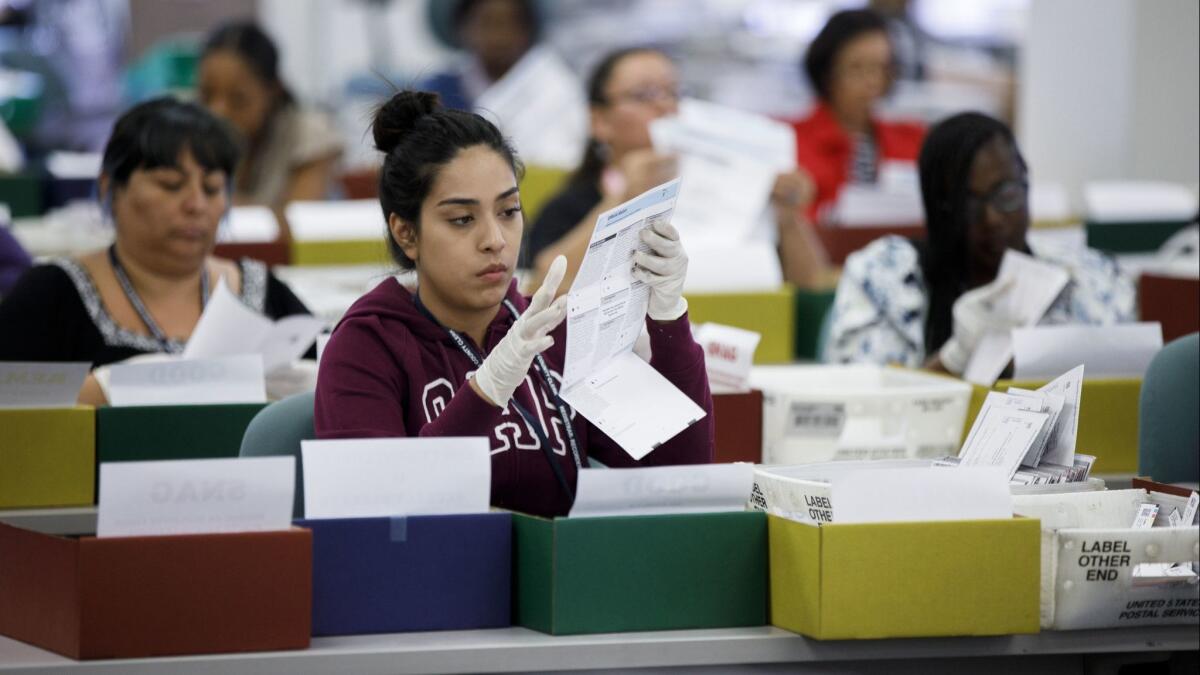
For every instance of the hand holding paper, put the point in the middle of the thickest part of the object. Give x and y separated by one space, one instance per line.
663 268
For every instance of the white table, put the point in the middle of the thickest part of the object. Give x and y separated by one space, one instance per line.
718 650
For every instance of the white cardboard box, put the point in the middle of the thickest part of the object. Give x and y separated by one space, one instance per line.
1089 553
858 412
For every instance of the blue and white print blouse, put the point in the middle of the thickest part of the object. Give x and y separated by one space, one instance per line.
881 305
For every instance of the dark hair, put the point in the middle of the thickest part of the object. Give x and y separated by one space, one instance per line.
527 8
417 137
589 169
841 28
252 46
945 167
154 133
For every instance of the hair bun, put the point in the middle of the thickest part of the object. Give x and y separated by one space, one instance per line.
399 116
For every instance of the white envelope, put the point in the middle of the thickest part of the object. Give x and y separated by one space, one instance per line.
921 494
1122 350
696 488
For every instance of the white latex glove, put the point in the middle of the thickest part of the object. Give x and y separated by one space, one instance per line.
976 313
504 369
663 270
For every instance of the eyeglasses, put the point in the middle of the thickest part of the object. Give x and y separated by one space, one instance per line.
648 95
1008 197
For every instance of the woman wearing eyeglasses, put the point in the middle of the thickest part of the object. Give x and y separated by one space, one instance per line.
629 89
930 303
850 65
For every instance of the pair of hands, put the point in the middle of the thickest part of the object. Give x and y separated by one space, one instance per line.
663 268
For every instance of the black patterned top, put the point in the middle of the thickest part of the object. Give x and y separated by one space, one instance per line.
54 313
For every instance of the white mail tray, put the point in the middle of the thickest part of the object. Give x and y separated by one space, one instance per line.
858 412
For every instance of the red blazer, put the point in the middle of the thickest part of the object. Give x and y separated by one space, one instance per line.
824 150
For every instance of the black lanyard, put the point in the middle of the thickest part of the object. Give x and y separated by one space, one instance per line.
138 306
544 372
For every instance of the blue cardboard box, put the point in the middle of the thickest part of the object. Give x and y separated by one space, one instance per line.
414 573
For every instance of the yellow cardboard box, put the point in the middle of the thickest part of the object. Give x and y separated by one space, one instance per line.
47 457
1108 420
341 252
883 580
771 313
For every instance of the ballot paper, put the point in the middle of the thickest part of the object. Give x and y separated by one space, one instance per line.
396 477
921 494
606 308
1121 350
227 379
643 491
25 384
717 266
227 327
1034 287
1052 404
1060 449
1002 434
540 106
195 496
728 355
728 160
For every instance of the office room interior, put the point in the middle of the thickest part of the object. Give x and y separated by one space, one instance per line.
597 336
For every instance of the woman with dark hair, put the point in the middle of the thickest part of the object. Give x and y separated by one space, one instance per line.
164 183
290 152
930 303
495 33
850 66
628 89
465 354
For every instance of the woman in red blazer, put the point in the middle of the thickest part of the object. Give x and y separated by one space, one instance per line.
850 65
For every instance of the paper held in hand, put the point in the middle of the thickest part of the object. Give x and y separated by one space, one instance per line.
1035 286
371 477
195 496
227 327
643 491
603 379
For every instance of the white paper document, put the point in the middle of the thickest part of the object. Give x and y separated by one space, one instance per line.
249 224
229 379
728 355
1035 286
1002 434
728 160
195 496
1052 405
1060 449
341 220
396 477
606 308
921 494
1122 350
539 105
643 491
227 327
25 384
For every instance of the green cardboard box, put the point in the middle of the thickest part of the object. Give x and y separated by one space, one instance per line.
639 573
136 433
1132 237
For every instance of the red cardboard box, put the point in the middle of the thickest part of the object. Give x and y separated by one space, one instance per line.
738 418
129 597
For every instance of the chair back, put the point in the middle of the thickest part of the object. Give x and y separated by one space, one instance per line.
277 430
1168 426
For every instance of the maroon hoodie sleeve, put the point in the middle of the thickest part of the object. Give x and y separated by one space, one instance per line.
362 389
675 354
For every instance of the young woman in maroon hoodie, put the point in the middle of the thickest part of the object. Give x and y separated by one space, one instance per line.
465 354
